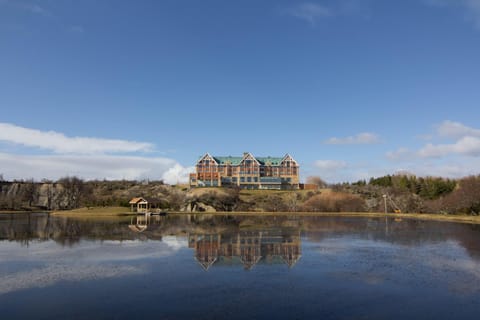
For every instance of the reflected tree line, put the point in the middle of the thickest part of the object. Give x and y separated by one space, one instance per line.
243 240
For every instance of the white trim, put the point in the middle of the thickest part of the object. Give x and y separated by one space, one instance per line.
291 158
251 155
207 155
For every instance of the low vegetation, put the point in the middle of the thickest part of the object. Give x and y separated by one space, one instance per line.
403 193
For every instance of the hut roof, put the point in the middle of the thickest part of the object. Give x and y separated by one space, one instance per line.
136 200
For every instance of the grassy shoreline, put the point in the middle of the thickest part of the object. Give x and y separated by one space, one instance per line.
22 211
122 211
93 212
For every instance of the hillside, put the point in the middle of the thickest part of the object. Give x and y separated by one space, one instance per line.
405 194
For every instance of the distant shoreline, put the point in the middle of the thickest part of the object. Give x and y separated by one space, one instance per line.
123 211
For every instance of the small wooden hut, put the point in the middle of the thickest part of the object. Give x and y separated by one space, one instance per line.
144 204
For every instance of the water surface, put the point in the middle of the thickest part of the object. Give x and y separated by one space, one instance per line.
237 267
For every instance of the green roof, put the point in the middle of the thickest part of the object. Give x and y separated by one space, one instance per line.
235 161
273 161
231 160
269 160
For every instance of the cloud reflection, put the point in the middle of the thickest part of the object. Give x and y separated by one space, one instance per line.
45 263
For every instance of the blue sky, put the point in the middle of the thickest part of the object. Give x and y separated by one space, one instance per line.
140 89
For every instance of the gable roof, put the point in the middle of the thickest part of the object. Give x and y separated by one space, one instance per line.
135 200
286 157
145 200
235 161
247 155
206 155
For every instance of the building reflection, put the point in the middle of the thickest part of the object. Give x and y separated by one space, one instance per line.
247 248
140 222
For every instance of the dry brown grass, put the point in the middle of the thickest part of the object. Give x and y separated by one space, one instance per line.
93 211
334 202
417 216
119 211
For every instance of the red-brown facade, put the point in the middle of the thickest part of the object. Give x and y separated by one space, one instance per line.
247 172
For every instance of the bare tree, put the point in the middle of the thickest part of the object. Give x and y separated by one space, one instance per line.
317 181
73 191
29 192
292 201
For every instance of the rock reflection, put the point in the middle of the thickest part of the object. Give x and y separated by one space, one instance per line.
237 240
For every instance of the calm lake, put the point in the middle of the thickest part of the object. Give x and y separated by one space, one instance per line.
237 267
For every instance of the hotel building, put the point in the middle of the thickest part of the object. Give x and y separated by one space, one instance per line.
247 172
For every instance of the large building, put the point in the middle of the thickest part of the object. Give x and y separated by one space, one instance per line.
246 172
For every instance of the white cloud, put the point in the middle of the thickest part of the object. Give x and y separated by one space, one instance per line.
177 174
84 157
466 143
361 138
469 146
309 12
330 164
92 167
452 169
59 143
452 129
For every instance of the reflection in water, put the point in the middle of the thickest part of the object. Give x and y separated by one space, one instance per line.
247 247
231 247
151 266
140 222
262 231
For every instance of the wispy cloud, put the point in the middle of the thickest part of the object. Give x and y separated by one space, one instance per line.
59 143
309 12
38 167
361 138
466 143
468 146
453 151
88 158
330 164
470 7
452 129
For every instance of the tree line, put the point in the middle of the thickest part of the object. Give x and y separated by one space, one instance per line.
407 193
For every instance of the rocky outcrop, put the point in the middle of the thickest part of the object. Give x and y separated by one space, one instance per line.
71 192
194 206
24 195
